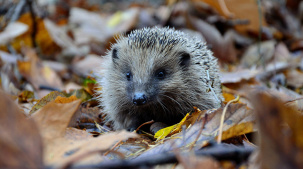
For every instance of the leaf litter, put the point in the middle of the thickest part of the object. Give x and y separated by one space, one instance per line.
48 67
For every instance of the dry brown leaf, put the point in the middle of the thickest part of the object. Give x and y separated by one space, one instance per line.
237 76
9 81
43 39
8 57
238 130
95 27
90 145
235 115
89 115
240 121
63 100
252 57
20 143
290 97
280 127
62 147
246 10
294 78
196 162
282 53
11 31
61 38
71 86
36 73
53 119
222 46
90 63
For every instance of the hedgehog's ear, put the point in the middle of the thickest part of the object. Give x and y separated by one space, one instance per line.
184 59
115 54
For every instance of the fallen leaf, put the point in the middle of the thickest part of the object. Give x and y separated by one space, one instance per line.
60 37
90 145
60 146
37 73
196 162
95 27
238 130
252 56
235 115
20 143
87 65
9 80
9 58
53 119
81 94
11 31
222 46
237 76
161 134
60 99
46 99
246 10
281 146
294 78
43 38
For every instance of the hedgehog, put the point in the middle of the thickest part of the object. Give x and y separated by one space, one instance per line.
157 74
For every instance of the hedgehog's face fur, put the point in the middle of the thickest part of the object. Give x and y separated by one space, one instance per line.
147 74
153 74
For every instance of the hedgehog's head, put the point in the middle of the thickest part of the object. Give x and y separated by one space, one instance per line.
149 65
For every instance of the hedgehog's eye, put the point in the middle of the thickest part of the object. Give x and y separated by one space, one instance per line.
128 76
160 74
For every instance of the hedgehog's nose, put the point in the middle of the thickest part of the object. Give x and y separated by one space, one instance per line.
139 99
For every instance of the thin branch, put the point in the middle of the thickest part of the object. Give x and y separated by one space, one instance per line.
219 140
34 25
219 152
17 11
149 122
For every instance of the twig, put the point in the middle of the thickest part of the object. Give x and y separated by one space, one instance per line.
34 25
110 150
300 98
149 122
260 34
219 152
78 158
219 140
17 11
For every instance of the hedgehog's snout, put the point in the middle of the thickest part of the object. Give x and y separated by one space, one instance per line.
139 99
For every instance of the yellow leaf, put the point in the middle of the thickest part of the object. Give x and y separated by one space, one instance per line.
238 130
228 97
115 19
161 134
